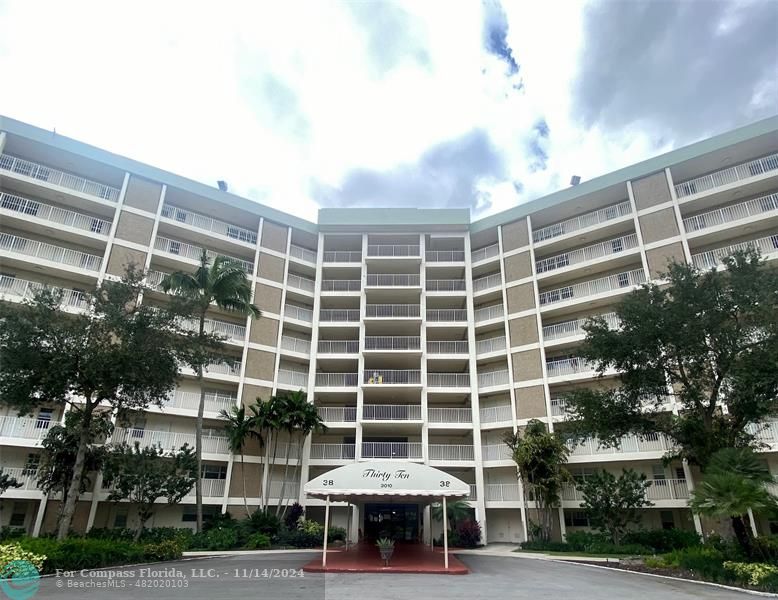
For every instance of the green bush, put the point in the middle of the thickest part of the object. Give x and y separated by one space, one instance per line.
181 535
217 538
11 533
546 546
264 522
590 543
468 534
81 553
706 562
164 550
298 538
766 548
581 541
663 540
258 541
755 574
336 534
15 552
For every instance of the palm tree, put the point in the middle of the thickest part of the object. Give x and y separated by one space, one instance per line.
456 511
224 284
239 429
292 415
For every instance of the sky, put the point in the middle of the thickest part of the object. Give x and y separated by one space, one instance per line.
479 104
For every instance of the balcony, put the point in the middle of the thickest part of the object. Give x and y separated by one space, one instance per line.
227 366
558 407
301 283
392 311
194 253
171 441
21 289
298 313
392 342
659 489
214 401
496 452
590 219
451 452
59 178
502 492
453 415
391 412
295 344
473 495
392 377
24 427
389 450
340 315
447 347
484 253
487 313
574 327
393 280
568 366
303 254
56 254
231 331
581 255
394 251
495 344
594 287
445 255
713 258
727 176
766 432
338 347
212 488
291 489
333 451
630 444
341 285
486 283
446 315
297 379
448 380
27 477
445 285
496 414
342 256
198 221
337 414
53 214
337 379
493 378
731 214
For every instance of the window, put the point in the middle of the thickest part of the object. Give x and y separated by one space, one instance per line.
120 518
679 474
189 514
18 514
138 428
667 518
214 471
44 418
623 279
180 216
576 518
32 464
658 472
562 260
175 247
96 226
566 293
617 245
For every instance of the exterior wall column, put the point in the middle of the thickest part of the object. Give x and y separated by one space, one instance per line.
3 138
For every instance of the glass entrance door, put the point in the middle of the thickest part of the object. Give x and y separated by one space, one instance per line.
397 521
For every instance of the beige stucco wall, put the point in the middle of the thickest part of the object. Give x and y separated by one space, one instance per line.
253 473
134 228
274 236
515 235
143 194
520 297
260 364
658 225
518 266
658 257
651 190
253 392
271 267
526 365
264 331
121 257
530 402
523 330
268 298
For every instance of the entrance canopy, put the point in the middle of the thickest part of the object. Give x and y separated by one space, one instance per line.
386 479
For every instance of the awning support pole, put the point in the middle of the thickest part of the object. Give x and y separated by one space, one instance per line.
348 525
445 534
327 530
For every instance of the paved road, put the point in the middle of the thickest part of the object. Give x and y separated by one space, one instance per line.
244 577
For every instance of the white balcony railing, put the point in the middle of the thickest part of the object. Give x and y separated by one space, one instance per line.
215 401
495 452
389 450
392 311
392 342
453 452
28 477
447 380
199 221
341 285
392 377
558 407
712 258
449 414
295 344
447 314
610 247
57 254
54 214
727 176
393 280
629 444
445 285
582 222
447 347
228 366
338 346
495 344
337 414
486 283
445 255
391 412
502 492
496 414
734 212
291 489
339 314
191 252
493 378
342 256
568 366
396 250
333 451
484 253
229 330
302 253
212 488
57 177
300 313
766 432
489 312
297 379
21 289
575 327
593 287
473 495
170 441
659 489
337 379
301 283
24 427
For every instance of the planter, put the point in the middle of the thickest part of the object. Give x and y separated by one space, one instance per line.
386 555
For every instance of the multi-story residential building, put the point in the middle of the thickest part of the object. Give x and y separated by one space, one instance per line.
420 335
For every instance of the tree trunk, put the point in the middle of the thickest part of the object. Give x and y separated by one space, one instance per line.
271 465
262 479
199 436
286 474
69 506
243 477
741 533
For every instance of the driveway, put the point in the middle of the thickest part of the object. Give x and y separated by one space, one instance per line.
277 576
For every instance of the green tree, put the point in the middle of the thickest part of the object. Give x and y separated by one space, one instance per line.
540 457
142 475
710 335
7 482
456 512
119 354
223 283
734 483
239 428
613 503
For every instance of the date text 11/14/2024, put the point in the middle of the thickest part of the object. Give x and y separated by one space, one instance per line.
249 573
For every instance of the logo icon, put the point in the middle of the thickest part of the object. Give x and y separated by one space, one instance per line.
19 580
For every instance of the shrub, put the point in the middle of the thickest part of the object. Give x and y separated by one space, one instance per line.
11 533
298 538
546 546
81 553
181 535
257 541
468 534
311 527
296 511
336 534
14 552
662 540
164 550
217 538
265 522
706 562
766 548
581 541
756 574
